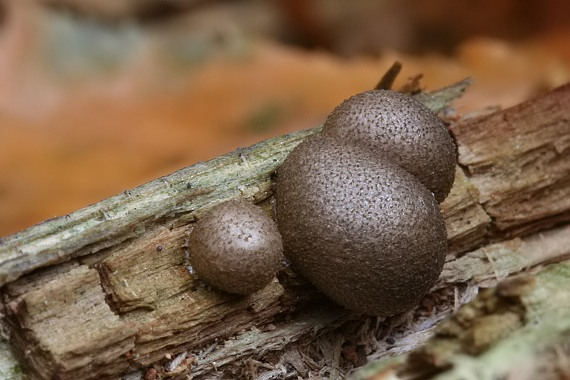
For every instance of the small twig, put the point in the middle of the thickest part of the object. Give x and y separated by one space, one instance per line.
413 85
388 79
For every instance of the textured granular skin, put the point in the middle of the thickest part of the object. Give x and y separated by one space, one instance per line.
236 247
402 129
364 231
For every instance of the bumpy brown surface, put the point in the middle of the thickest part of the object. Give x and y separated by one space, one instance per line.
236 247
401 128
360 228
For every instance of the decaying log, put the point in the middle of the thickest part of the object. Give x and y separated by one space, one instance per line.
107 289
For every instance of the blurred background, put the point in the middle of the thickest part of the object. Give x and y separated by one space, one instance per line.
98 96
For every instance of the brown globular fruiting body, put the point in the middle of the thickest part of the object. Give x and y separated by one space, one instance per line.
236 247
401 129
364 231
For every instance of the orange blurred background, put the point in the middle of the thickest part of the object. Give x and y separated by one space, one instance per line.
100 96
